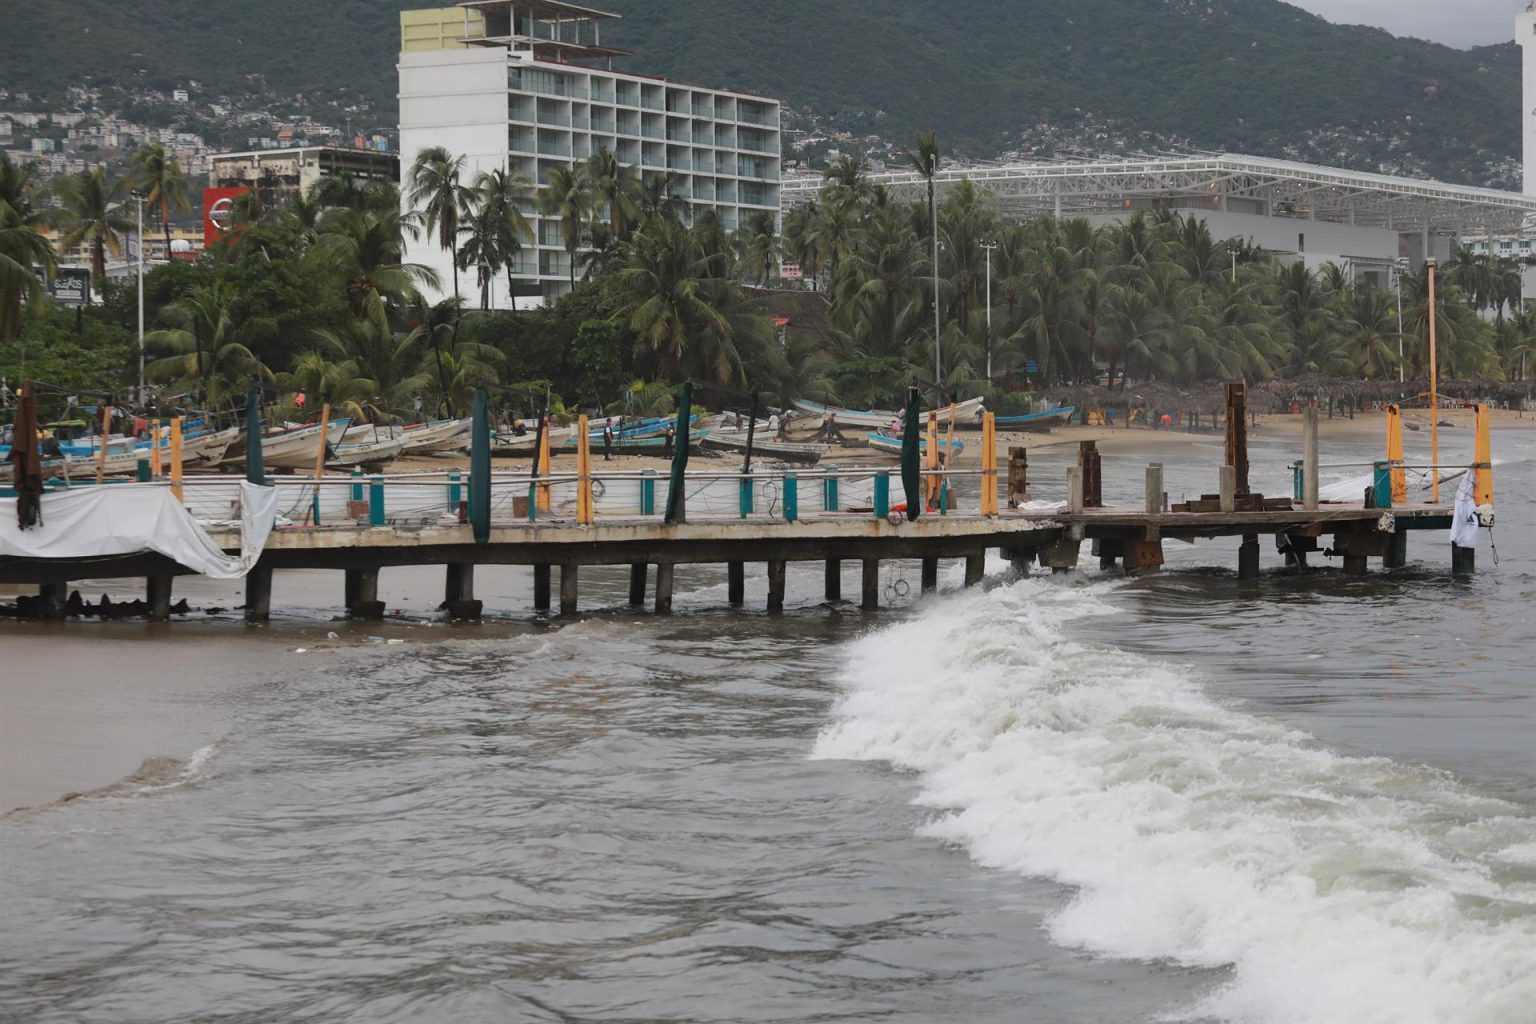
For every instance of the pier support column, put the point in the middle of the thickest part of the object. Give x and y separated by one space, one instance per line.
930 574
1397 550
664 575
258 594
1355 565
158 597
638 572
1248 557
52 599
1143 557
569 588
1022 559
776 572
541 575
736 583
871 587
459 592
1463 560
834 580
1109 551
1060 556
363 595
975 568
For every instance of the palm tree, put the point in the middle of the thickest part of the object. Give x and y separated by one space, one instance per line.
461 365
22 245
567 197
758 247
500 196
393 366
159 176
339 383
437 327
925 159
437 193
481 249
90 212
206 351
364 248
615 190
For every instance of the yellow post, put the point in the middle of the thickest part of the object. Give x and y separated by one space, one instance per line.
543 457
155 470
176 458
932 489
1482 488
1395 456
989 465
106 428
1434 395
325 423
583 474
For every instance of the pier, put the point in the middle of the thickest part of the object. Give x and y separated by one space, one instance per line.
561 523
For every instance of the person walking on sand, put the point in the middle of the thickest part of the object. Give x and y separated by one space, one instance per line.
668 441
608 440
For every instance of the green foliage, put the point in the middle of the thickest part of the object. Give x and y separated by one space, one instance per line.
73 350
599 370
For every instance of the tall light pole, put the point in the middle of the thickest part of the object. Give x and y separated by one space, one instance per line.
989 246
1434 390
938 364
1232 249
1397 277
138 198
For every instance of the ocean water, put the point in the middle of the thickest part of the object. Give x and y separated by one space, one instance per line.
1074 798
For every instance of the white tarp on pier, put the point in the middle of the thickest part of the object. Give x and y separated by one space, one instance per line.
125 519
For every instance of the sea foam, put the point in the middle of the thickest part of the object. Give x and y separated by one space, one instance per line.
1334 887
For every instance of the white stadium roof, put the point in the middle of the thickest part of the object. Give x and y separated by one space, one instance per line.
1239 184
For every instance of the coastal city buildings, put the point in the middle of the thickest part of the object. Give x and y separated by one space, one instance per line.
530 86
282 174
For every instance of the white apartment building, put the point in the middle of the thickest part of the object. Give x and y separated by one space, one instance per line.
529 85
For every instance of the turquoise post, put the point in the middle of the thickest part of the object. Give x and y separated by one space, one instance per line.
253 436
357 485
142 475
1298 482
376 501
314 505
648 493
455 491
791 497
744 494
480 470
1383 485
829 500
882 495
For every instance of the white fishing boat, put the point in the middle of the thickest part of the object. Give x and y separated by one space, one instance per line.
514 446
366 453
878 419
764 444
292 449
438 436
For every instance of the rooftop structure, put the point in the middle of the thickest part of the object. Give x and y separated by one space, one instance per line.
283 174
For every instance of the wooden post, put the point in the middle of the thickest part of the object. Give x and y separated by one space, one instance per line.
106 428
258 594
1395 456
1018 476
1355 565
1434 392
1463 560
975 568
53 597
1309 459
569 588
776 572
362 594
1237 435
989 503
459 591
176 467
325 423
158 597
1155 488
1228 488
584 508
1075 489
834 580
1089 462
931 461
930 574
736 583
1397 550
1482 459
871 585
664 577
156 457
541 579
1248 557
541 500
638 571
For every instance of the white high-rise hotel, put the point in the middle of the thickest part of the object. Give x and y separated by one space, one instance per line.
530 86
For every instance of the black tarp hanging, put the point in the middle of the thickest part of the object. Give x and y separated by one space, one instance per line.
912 458
676 505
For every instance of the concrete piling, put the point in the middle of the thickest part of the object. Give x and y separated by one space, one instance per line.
776 573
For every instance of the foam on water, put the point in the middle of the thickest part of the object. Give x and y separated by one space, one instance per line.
1335 887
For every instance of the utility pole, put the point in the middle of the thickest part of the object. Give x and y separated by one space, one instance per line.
138 198
989 246
938 364
1397 276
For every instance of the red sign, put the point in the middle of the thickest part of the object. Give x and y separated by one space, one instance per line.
219 212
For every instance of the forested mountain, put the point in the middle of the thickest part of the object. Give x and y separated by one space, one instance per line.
1257 76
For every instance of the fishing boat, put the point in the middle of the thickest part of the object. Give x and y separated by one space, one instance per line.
298 448
369 454
1037 420
765 445
525 445
892 445
653 444
875 419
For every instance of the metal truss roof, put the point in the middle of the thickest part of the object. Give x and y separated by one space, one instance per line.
1241 184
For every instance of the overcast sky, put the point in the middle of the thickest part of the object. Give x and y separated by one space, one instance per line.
1453 22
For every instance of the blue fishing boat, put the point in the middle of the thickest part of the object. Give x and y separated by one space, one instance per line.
1060 416
892 445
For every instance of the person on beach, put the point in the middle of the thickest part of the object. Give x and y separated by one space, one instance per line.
608 440
670 439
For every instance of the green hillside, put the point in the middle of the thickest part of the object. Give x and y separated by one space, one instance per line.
1248 75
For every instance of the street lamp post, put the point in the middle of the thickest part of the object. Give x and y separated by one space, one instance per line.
938 363
989 246
138 198
1397 276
